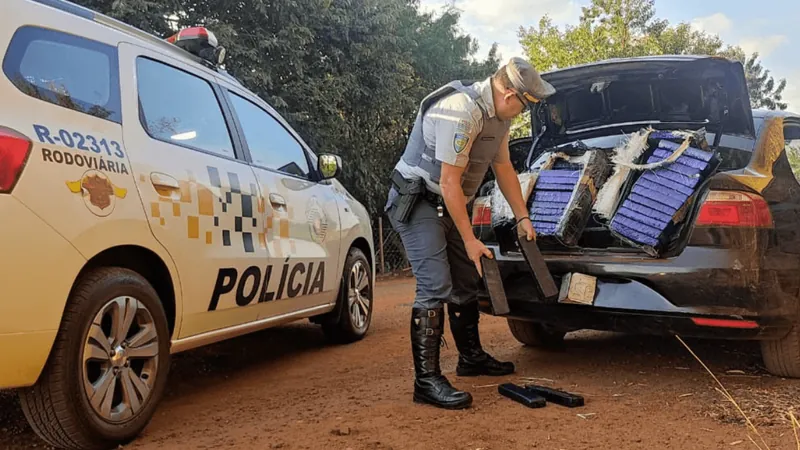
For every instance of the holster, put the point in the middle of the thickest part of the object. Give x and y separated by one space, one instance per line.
408 194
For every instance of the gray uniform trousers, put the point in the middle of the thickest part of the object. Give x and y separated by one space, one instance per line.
438 258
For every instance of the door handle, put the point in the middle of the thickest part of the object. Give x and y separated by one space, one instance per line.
165 185
277 201
164 181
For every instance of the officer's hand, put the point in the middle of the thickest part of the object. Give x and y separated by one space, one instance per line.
525 229
476 249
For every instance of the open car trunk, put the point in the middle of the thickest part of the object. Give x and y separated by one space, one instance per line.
623 153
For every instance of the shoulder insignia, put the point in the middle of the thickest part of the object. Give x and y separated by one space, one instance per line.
463 126
460 141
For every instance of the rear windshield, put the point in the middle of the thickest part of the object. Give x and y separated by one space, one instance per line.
65 70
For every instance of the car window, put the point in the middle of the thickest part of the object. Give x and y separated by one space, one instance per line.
66 70
791 134
181 108
271 146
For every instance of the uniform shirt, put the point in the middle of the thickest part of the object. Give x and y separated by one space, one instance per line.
451 126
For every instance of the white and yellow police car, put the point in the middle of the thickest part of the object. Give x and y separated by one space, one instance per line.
151 204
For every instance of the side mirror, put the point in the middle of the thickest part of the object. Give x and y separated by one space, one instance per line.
330 166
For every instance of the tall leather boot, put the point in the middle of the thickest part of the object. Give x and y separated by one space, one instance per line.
430 386
472 359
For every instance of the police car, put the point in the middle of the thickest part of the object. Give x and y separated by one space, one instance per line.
151 204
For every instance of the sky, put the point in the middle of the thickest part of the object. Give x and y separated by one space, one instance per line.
771 28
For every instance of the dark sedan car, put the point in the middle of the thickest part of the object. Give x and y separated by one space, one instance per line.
729 268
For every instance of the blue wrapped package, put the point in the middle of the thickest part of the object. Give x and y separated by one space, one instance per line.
551 196
663 192
691 151
564 194
657 196
683 159
676 167
550 205
544 228
546 218
554 187
646 211
633 234
644 201
689 182
648 214
654 177
647 219
568 176
543 210
640 227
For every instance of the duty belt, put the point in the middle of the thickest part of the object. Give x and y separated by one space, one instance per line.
437 201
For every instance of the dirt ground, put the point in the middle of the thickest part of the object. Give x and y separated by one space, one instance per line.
286 388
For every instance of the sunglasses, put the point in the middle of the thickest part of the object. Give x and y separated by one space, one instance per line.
525 98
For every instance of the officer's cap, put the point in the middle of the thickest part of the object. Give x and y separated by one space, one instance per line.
527 81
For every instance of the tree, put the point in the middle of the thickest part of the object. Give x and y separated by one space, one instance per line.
628 28
347 74
764 93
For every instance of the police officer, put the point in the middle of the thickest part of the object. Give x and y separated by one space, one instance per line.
461 130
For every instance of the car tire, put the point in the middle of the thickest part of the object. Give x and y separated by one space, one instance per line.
120 307
348 322
782 357
535 334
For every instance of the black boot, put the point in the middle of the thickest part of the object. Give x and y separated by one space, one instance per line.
430 386
472 359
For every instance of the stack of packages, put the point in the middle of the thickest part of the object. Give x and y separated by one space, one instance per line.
657 198
564 193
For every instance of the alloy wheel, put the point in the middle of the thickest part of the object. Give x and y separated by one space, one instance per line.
359 295
120 359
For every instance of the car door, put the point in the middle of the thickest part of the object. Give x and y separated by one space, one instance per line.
201 199
786 213
303 232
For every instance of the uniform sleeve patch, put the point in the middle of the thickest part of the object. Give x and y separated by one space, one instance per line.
460 141
464 126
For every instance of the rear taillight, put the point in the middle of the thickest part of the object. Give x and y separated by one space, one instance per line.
734 209
14 151
482 212
724 323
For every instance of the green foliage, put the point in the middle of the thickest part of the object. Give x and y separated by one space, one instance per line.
628 28
347 74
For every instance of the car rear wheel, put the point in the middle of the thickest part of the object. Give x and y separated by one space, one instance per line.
352 317
107 370
782 357
536 334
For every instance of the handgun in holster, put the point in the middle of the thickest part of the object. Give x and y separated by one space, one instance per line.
408 194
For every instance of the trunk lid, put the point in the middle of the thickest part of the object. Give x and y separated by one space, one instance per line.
666 92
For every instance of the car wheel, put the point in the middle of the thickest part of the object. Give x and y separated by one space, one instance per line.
108 366
351 319
535 334
782 356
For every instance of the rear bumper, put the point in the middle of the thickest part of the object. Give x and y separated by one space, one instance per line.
38 268
24 355
645 295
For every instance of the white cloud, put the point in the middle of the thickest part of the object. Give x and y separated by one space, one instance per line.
507 15
764 45
507 52
791 94
499 21
717 23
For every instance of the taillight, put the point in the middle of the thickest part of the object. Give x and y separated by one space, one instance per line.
14 151
724 323
734 209
482 212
